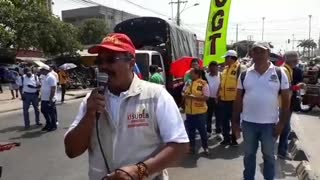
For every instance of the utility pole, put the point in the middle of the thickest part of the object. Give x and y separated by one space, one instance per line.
178 2
310 16
293 42
237 34
263 27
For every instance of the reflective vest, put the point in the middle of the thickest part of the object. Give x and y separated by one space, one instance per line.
289 72
193 106
229 79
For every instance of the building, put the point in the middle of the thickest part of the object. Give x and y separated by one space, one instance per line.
110 15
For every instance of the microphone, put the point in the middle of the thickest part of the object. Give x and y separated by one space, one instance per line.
102 79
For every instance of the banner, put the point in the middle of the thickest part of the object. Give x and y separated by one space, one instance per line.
217 27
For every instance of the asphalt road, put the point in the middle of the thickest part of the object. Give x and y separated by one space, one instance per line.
41 155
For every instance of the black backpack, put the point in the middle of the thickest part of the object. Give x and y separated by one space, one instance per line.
243 76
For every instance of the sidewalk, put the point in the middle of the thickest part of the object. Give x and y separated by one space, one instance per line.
7 104
307 127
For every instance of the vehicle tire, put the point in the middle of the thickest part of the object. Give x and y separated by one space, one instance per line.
306 108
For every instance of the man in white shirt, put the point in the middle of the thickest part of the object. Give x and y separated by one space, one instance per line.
257 99
138 131
29 84
48 106
213 78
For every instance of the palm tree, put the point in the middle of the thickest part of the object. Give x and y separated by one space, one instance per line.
307 43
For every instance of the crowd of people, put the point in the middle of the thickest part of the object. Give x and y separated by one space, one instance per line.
35 85
133 129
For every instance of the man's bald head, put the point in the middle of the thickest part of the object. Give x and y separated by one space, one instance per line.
291 58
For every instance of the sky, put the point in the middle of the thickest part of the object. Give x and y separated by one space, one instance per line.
283 18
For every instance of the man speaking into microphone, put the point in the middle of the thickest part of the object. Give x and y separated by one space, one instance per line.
132 129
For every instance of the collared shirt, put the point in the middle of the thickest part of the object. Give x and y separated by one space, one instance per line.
48 82
55 75
25 81
260 101
171 129
214 83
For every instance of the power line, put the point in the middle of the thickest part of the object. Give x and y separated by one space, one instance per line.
151 10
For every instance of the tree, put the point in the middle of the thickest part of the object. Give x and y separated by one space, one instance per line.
58 38
306 44
92 31
28 24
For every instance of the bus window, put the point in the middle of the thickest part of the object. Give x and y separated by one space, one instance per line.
142 61
156 60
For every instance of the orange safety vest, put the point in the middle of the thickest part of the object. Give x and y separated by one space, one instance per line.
193 106
229 81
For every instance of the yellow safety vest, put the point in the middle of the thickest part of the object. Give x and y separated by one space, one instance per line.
289 72
193 106
229 80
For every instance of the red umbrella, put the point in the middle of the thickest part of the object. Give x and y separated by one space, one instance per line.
179 67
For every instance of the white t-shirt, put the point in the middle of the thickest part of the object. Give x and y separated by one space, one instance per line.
169 119
33 80
214 82
260 101
55 75
48 82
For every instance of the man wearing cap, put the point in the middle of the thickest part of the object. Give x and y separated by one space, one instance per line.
257 99
291 60
48 91
227 94
134 130
29 84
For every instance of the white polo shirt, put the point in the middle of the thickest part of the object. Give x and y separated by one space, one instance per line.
214 82
260 101
48 82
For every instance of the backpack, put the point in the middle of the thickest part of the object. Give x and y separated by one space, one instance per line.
243 76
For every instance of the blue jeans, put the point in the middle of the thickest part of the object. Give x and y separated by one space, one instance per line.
197 122
30 98
252 134
48 110
283 141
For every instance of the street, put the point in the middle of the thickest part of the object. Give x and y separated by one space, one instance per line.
41 155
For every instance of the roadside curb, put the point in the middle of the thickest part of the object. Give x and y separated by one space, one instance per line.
303 170
72 97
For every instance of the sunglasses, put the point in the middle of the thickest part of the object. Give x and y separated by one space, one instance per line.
111 59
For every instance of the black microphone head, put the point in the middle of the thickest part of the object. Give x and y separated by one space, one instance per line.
102 79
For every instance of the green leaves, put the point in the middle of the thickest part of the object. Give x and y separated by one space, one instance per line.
92 31
28 24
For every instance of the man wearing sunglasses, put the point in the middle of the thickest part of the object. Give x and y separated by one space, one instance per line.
139 130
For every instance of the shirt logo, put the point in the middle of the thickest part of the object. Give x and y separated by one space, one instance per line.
138 119
273 78
233 72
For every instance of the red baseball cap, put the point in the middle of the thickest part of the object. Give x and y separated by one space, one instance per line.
115 42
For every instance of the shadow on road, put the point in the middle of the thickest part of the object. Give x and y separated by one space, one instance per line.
284 169
17 128
216 151
29 135
315 112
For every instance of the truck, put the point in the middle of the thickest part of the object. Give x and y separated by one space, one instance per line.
158 42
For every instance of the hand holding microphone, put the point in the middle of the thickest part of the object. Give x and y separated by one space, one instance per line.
96 102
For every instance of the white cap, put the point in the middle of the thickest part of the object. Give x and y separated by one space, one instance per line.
45 67
231 53
261 44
